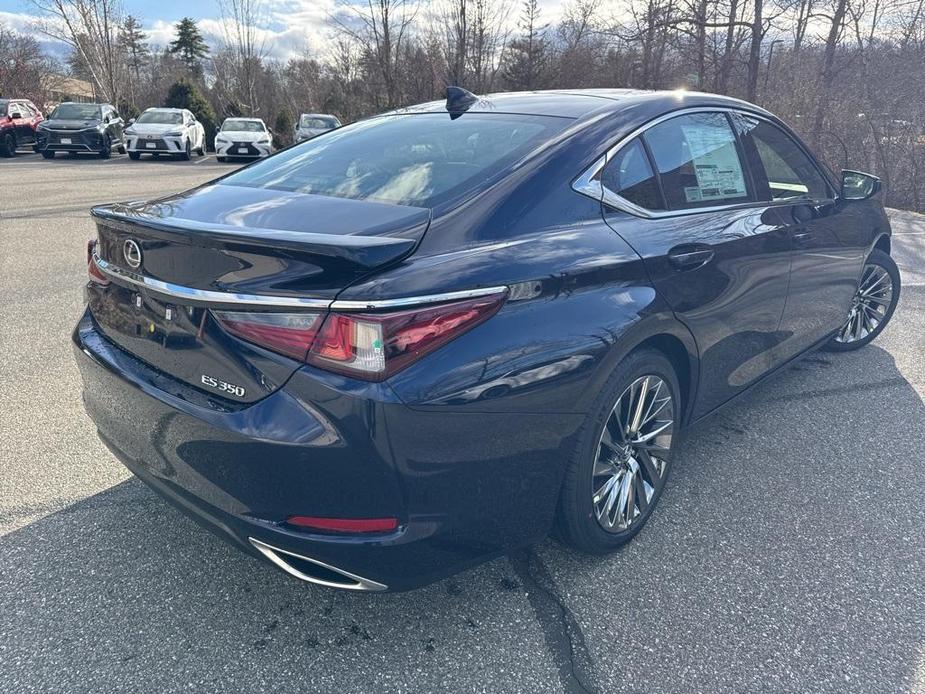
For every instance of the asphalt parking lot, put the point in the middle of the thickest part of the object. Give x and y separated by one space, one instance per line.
788 554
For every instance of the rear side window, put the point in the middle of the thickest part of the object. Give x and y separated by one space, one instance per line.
630 176
421 160
698 161
779 162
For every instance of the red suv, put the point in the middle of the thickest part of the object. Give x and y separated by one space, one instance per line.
18 120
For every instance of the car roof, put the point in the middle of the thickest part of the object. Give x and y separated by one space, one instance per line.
164 108
256 120
581 103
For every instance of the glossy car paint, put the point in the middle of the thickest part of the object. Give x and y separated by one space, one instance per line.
19 123
88 135
467 447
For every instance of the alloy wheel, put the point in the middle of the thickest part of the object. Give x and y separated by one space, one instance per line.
869 306
632 456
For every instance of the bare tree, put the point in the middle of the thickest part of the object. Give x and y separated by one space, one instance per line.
91 29
239 64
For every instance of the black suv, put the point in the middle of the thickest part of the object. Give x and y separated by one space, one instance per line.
76 127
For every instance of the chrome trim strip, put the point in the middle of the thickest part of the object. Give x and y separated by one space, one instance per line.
190 294
588 182
371 305
273 554
266 301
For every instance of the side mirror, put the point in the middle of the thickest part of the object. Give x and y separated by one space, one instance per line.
131 120
857 185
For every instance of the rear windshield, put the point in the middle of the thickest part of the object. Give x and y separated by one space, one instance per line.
161 117
76 112
317 122
237 125
421 160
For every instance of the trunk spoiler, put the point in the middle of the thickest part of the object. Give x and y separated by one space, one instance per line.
363 251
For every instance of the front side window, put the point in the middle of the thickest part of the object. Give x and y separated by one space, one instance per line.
423 160
698 161
630 176
788 172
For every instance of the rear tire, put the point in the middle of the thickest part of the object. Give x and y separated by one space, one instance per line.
134 156
8 145
122 149
620 467
872 306
222 159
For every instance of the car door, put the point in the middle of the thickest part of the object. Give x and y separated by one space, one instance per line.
115 126
20 116
680 194
829 240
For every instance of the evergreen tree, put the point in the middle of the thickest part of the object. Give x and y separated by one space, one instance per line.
528 59
184 94
133 41
283 129
190 45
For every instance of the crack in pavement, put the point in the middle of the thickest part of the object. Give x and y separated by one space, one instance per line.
562 632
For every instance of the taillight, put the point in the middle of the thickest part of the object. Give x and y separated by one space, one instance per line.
370 346
291 334
373 346
96 275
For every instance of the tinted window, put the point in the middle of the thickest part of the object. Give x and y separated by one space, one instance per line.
318 122
420 160
630 176
160 117
76 112
788 171
698 161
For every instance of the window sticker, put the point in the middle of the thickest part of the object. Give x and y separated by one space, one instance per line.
716 164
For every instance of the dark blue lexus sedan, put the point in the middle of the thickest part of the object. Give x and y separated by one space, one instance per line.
422 340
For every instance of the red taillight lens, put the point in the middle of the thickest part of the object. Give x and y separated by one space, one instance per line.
345 525
375 346
291 334
96 275
371 346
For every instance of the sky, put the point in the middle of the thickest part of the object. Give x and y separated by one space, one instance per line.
292 27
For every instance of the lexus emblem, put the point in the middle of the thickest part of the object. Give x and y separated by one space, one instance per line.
132 253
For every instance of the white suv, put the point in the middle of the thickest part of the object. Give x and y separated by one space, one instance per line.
243 137
173 131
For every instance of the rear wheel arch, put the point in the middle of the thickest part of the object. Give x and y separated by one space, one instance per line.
678 354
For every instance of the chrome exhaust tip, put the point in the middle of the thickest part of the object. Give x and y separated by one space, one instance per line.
315 571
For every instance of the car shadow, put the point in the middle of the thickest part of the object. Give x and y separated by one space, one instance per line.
788 554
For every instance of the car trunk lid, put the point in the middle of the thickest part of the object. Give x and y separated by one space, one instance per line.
173 260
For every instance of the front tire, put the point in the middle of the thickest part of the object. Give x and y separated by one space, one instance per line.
48 154
134 156
188 152
872 306
8 145
106 148
623 457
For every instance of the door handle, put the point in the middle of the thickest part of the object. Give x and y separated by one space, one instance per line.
689 258
802 238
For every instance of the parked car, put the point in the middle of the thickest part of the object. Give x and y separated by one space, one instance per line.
77 127
426 338
173 131
18 122
313 124
243 137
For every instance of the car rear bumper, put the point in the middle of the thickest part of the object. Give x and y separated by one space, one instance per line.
464 487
